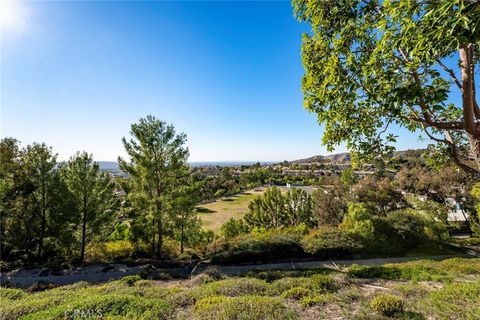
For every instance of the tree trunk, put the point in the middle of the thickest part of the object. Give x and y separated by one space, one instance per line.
474 143
466 61
84 230
160 238
153 237
42 234
469 100
181 239
42 223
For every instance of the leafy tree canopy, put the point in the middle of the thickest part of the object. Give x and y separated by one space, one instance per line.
371 63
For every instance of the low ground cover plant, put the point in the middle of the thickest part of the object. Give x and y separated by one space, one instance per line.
282 294
387 304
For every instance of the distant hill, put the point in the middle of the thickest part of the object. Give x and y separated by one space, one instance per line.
108 165
344 157
337 158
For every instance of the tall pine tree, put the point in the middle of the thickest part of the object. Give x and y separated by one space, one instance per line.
157 164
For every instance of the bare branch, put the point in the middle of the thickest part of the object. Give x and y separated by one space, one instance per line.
451 73
453 152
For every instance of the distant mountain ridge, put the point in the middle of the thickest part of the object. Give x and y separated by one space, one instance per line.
344 157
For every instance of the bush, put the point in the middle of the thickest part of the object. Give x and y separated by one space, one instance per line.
238 287
188 255
387 304
323 283
105 252
121 232
296 293
358 221
258 246
330 243
246 307
233 228
318 299
11 293
186 298
130 280
114 305
281 285
408 228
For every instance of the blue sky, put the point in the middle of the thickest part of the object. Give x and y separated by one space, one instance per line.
76 75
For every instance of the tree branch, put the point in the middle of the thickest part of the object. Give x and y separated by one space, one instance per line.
453 152
451 73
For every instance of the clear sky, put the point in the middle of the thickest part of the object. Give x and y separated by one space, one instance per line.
76 75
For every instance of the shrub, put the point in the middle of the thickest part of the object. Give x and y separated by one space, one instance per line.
258 246
246 307
317 299
238 287
121 232
104 252
330 242
358 221
233 228
185 298
296 293
408 228
114 305
287 283
199 279
11 294
130 280
322 282
214 273
387 304
433 216
170 249
317 283
188 255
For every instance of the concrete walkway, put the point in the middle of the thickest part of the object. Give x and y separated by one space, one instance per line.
237 270
23 278
100 273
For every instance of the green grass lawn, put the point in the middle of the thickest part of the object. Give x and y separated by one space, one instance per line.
216 213
448 289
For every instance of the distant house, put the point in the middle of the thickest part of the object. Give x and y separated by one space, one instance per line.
307 189
455 212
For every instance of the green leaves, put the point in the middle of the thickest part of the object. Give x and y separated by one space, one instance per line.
96 203
372 63
159 170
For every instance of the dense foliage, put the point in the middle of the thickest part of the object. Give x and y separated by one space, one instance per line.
56 212
50 210
373 64
373 215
